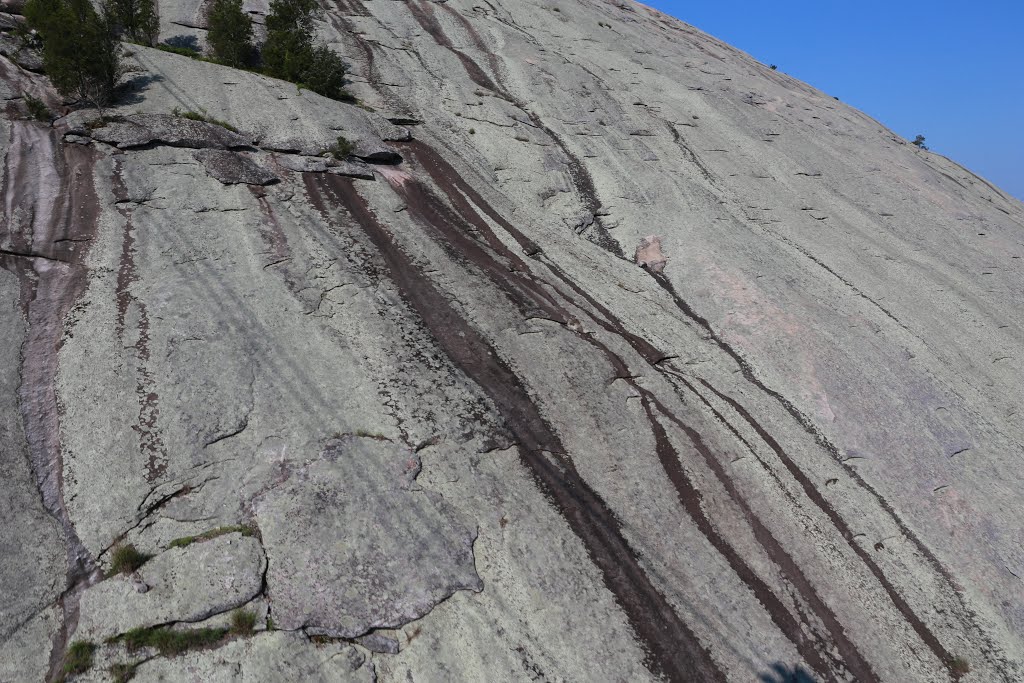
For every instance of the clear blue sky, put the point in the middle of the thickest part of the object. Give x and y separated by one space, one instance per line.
952 71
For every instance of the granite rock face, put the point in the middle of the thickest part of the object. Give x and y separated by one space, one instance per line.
611 354
232 168
353 546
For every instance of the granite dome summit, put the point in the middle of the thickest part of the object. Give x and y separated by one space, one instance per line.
420 412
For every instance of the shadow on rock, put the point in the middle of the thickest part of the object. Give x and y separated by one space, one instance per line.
183 41
131 91
783 673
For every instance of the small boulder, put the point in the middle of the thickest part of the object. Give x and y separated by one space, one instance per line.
649 255
376 152
139 130
351 169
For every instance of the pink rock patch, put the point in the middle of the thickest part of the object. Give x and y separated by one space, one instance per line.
649 255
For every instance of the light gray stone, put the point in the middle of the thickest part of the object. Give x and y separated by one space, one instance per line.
183 584
796 446
137 130
354 545
276 657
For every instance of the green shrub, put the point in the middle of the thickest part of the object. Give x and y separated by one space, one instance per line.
183 51
37 108
325 74
172 642
230 33
919 142
290 53
243 621
136 19
127 558
78 659
341 150
81 52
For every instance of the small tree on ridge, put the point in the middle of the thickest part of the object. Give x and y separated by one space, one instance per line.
81 51
137 20
291 54
230 33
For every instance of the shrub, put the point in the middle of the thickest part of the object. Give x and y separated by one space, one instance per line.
341 150
81 52
37 108
137 20
290 54
78 658
183 51
919 142
325 74
127 558
243 621
959 666
773 67
230 33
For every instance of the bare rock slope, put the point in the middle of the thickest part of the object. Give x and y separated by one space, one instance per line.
423 415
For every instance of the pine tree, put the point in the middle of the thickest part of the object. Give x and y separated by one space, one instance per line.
137 20
81 51
291 54
230 32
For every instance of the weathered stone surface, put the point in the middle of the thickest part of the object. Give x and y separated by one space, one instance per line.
351 168
794 448
282 116
276 657
25 57
9 22
232 168
355 545
25 651
138 130
32 573
183 584
303 164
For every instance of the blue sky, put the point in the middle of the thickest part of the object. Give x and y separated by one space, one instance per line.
952 71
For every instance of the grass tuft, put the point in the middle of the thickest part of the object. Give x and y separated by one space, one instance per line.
122 673
204 117
169 641
183 51
243 622
186 541
126 559
77 660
